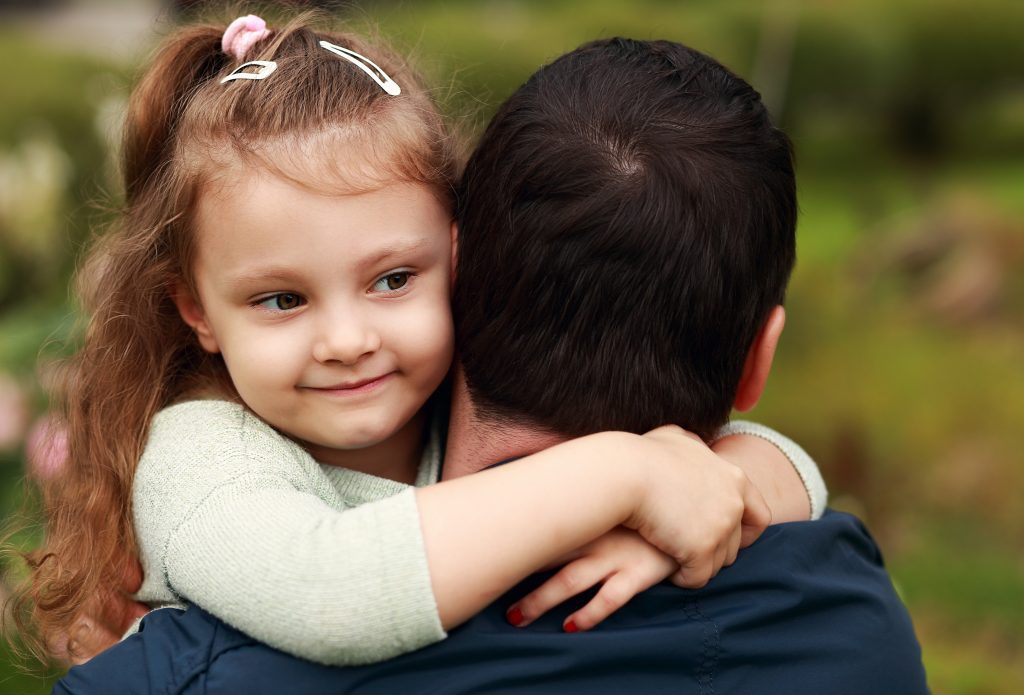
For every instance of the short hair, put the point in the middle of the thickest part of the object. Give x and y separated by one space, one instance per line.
626 224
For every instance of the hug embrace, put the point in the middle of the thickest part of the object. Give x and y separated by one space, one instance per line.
316 331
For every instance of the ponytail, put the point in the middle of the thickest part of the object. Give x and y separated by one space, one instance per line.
188 60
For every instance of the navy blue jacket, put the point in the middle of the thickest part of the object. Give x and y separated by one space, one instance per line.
808 608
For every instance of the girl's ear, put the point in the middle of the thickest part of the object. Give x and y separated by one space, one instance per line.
192 313
759 360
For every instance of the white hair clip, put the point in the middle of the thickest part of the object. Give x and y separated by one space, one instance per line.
266 69
367 66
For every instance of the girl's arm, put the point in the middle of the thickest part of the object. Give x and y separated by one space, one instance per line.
624 564
666 485
360 585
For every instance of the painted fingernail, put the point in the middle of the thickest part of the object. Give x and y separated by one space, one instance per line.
514 616
570 626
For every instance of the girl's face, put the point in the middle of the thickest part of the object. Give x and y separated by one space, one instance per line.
331 312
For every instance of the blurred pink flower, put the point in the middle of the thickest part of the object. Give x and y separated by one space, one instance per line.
46 448
14 415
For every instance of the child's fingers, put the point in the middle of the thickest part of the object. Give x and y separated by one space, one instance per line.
669 432
757 515
727 551
138 610
616 591
574 578
131 576
724 555
734 545
115 611
721 553
82 641
92 640
694 573
128 614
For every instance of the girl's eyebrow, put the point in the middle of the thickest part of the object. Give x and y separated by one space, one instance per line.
249 276
286 275
398 249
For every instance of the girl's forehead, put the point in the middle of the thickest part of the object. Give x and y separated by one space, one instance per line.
257 215
332 169
248 187
333 161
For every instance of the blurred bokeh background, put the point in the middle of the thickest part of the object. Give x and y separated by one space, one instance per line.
902 366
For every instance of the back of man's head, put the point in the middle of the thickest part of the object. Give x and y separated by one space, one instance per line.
626 225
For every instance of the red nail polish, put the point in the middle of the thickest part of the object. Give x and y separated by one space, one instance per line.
514 616
570 626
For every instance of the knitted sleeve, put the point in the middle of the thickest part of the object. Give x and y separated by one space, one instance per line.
237 519
804 465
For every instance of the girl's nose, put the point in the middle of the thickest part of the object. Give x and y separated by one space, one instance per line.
346 339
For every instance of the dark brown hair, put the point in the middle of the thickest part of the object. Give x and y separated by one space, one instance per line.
318 121
627 222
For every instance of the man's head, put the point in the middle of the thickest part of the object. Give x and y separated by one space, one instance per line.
626 228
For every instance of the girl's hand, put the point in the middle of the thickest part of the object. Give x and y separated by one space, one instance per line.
623 562
718 509
103 620
667 485
696 507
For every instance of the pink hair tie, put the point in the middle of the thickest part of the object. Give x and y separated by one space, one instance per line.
242 34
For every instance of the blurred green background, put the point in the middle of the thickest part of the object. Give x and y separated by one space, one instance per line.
902 366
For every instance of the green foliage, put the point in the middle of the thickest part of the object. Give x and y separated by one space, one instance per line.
14 681
55 163
913 77
958 569
959 580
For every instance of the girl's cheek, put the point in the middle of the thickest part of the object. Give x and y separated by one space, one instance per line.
269 347
428 329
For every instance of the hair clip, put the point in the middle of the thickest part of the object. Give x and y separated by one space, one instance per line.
266 69
367 66
242 34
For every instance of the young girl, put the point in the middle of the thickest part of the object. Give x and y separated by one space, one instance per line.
268 322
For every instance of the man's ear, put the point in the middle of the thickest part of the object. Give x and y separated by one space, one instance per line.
759 360
192 313
455 250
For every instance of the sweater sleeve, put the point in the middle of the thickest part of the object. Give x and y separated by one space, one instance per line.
251 539
804 465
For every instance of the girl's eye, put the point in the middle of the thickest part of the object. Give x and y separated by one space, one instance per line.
282 302
392 282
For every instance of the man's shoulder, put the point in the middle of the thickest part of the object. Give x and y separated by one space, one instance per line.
818 591
171 653
809 606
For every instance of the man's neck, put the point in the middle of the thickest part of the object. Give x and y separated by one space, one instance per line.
474 443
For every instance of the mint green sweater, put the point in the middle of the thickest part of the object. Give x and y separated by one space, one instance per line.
234 517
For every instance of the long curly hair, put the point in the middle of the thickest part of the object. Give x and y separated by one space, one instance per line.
320 122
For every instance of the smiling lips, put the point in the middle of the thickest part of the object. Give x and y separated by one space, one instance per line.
353 387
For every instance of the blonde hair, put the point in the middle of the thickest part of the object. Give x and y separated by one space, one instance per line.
186 131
